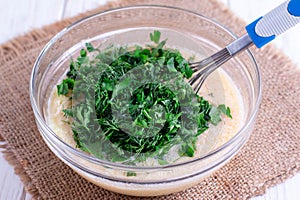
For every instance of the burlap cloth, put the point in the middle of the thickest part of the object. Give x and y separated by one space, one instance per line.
271 155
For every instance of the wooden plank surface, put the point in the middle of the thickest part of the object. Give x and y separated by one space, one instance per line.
18 17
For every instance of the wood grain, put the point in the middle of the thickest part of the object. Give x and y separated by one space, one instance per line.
18 17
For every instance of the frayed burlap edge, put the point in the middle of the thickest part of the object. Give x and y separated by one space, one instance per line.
19 170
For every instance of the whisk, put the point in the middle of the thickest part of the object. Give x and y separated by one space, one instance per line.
260 32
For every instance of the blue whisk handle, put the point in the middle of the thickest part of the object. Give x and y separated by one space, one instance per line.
279 20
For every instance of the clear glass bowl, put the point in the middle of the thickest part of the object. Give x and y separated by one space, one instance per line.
131 25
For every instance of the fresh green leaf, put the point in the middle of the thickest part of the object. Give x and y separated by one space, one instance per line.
188 72
89 47
187 150
161 44
83 53
66 85
225 110
170 65
62 89
155 36
215 115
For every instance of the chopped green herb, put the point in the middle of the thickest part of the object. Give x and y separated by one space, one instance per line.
89 47
162 162
187 150
65 86
68 112
155 37
131 174
225 110
215 113
160 116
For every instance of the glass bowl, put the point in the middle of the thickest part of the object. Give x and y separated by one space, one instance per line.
185 30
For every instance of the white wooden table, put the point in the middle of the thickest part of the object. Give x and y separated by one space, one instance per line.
20 16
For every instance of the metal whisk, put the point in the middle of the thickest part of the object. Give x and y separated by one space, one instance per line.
260 32
205 67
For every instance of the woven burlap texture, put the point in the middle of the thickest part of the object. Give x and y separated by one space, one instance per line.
271 155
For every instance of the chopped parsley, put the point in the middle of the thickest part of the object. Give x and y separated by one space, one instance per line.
119 116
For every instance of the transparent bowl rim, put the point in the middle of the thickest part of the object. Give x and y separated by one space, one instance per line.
93 159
